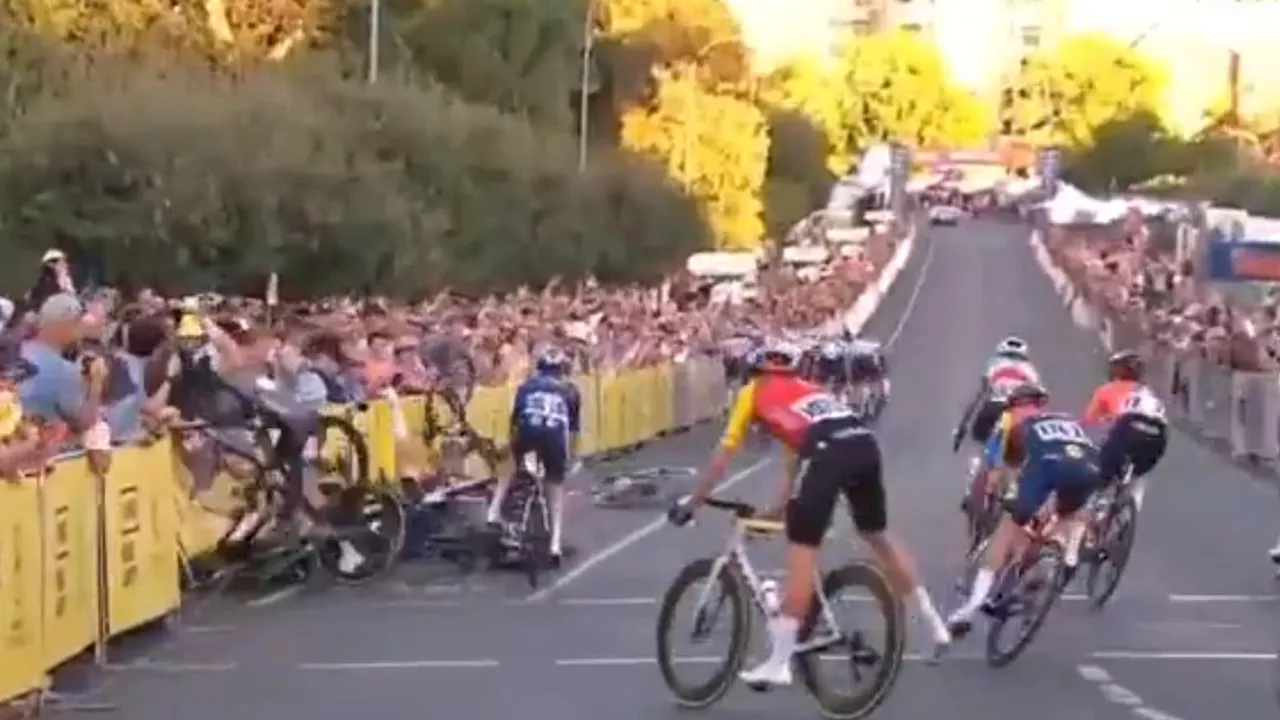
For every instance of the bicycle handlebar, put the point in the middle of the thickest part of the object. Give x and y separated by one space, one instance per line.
741 509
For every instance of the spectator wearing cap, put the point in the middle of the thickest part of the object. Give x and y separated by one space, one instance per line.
59 393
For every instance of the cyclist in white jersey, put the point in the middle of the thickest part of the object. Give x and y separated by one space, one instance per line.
1008 369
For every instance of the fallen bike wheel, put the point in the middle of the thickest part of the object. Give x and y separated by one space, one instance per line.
726 595
369 530
852 651
643 488
1031 595
1115 544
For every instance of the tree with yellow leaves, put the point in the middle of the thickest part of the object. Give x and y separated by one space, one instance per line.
696 116
1063 94
895 86
712 144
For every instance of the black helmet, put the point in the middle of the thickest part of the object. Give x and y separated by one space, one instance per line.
1125 365
1028 393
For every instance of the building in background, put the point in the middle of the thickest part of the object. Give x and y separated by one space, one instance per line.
982 40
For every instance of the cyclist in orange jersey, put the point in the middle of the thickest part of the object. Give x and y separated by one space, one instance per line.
830 453
1139 431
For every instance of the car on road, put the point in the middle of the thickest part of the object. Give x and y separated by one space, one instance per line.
945 215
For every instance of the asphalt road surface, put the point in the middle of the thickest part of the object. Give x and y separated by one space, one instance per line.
1191 633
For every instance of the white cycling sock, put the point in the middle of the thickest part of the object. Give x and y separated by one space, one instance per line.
931 616
782 639
495 505
1138 490
982 583
1074 537
556 495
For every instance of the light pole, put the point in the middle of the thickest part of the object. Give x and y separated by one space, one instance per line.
375 32
584 94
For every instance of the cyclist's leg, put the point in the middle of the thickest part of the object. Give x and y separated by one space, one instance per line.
1034 485
1145 450
553 453
1074 481
519 447
864 490
808 515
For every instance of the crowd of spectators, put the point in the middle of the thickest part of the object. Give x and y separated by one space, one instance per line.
1151 297
96 368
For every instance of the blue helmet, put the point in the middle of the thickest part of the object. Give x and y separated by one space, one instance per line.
552 361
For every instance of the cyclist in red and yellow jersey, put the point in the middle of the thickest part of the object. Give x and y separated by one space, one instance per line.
829 453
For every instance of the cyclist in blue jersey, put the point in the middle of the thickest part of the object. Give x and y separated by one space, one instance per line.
1053 458
546 419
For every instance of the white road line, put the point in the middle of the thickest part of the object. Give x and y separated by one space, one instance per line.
1117 694
1189 655
636 536
280 595
716 660
161 666
1223 598
915 295
610 602
401 665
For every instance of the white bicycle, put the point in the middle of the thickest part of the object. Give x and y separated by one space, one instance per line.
732 587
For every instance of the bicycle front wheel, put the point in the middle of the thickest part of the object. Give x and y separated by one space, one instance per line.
873 661
1115 543
1032 595
728 594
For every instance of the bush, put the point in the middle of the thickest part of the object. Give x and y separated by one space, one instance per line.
182 178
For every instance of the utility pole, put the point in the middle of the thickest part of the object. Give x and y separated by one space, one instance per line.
375 33
584 92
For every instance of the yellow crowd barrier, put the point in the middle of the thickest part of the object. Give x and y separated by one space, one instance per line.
85 557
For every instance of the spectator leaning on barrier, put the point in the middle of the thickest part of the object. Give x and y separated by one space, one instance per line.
59 395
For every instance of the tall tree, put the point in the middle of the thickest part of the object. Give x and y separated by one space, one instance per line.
896 87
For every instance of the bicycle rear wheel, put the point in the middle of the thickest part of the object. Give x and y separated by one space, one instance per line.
535 536
342 452
1116 535
1032 594
852 648
729 594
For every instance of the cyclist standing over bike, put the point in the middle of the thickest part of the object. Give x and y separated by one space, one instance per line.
546 419
1053 457
1139 431
829 453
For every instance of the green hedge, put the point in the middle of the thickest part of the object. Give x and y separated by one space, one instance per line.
178 177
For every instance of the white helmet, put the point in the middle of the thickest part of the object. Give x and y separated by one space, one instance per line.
1012 346
778 354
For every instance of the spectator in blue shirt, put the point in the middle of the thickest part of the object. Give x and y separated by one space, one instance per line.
59 392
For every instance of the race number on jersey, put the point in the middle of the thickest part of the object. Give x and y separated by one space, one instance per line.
1060 430
546 410
819 407
1143 403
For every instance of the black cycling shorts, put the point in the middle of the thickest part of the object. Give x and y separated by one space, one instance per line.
551 447
841 457
1135 441
984 421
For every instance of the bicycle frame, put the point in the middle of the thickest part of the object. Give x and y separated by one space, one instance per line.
735 556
